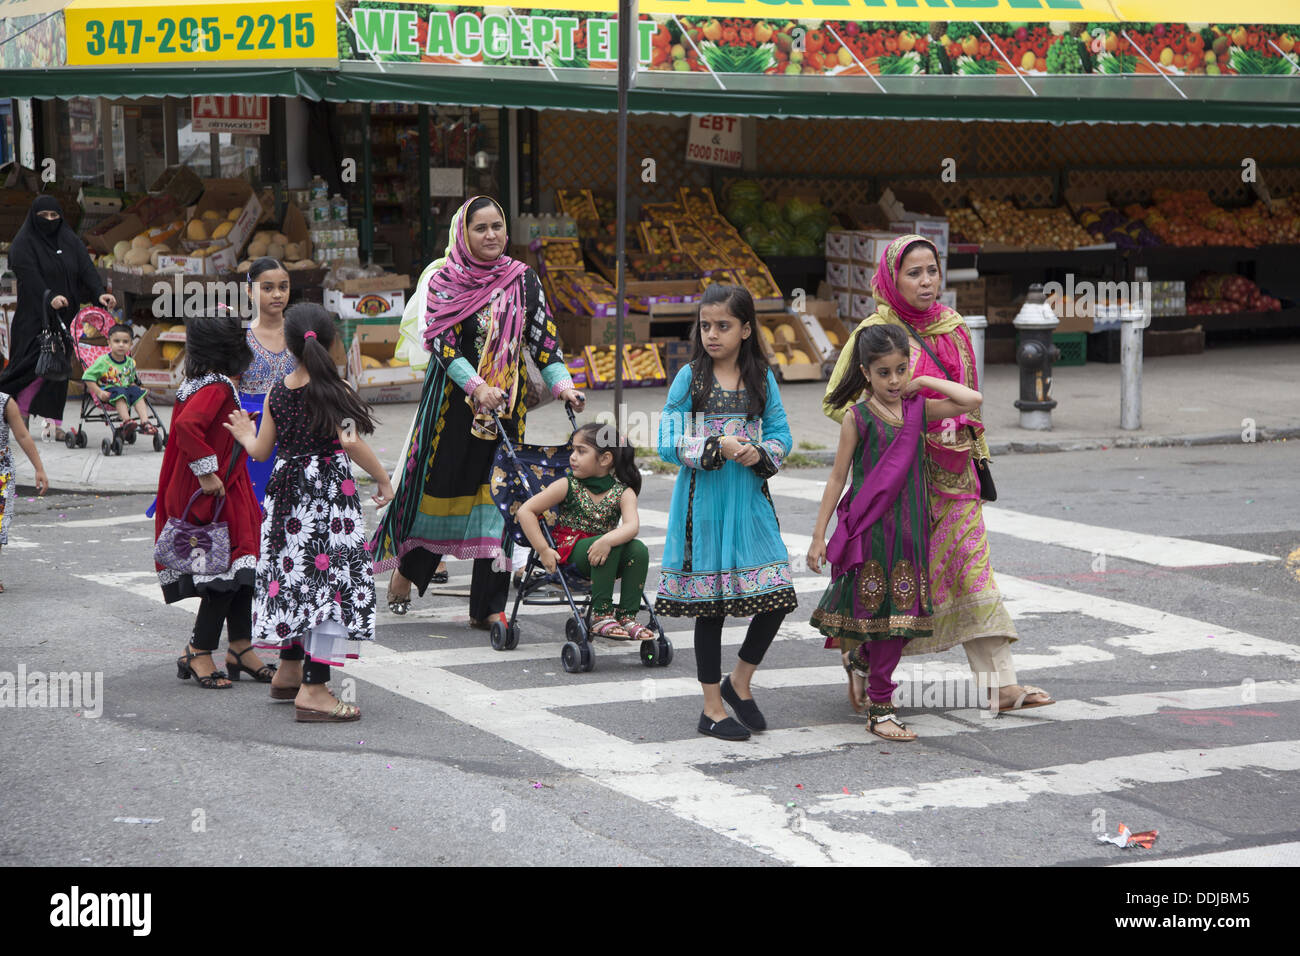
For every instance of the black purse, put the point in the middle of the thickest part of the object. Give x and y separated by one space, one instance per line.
988 490
54 356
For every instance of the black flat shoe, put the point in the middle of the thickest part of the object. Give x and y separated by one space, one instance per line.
746 710
439 577
725 729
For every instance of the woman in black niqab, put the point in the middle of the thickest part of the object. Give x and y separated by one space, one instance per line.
54 275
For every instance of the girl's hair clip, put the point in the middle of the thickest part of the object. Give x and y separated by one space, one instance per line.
309 334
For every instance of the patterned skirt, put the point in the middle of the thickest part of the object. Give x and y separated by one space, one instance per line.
872 605
967 602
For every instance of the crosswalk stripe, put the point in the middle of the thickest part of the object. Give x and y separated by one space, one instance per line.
1278 854
95 522
1113 542
733 812
798 741
1071 780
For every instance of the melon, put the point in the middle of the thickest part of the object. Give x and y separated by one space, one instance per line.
196 231
120 249
786 331
835 339
141 242
293 251
781 359
211 214
768 336
275 250
244 266
279 239
368 361
222 230
136 257
234 213
263 235
770 213
171 351
799 357
257 248
148 269
745 190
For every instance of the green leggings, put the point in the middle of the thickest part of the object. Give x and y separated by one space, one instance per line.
630 561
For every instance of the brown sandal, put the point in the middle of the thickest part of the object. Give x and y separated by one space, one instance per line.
878 714
339 713
284 693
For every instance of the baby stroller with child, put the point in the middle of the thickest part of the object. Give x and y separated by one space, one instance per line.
518 473
90 325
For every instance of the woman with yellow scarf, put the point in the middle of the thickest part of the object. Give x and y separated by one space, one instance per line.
968 608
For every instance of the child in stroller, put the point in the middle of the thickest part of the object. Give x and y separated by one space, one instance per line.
112 386
528 483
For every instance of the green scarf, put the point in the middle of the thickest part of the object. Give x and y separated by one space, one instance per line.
597 486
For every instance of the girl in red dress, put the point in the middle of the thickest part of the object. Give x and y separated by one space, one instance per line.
201 455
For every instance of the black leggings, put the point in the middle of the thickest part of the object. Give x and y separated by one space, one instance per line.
708 643
234 609
312 671
488 589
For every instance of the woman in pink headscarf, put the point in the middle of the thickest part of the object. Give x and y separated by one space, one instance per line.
484 309
968 608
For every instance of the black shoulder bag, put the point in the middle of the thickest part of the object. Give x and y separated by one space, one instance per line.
988 490
54 357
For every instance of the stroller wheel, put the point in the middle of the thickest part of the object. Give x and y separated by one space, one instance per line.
575 631
512 637
665 651
70 438
497 635
117 446
649 653
158 442
106 446
81 438
588 657
571 657
130 437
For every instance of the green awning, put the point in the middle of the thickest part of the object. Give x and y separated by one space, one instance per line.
1238 100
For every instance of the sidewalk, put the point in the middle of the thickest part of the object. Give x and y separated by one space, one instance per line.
1192 399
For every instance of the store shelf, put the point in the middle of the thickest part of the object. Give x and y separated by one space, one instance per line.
1013 261
1232 322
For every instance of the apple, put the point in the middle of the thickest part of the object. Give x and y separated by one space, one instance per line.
845 57
1210 58
796 56
792 69
1166 56
678 51
1027 61
1021 33
1221 45
784 42
1211 70
681 65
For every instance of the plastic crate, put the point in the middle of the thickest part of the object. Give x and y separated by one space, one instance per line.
1072 345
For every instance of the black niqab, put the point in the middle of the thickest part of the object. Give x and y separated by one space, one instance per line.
53 245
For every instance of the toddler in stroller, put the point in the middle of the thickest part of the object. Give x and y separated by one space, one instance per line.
113 388
594 534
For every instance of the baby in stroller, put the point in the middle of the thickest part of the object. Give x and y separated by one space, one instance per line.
112 379
601 490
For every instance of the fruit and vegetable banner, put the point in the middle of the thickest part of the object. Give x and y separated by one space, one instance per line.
503 36
33 42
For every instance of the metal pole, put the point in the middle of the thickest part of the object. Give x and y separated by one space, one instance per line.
976 324
214 149
627 17
422 118
367 191
1130 357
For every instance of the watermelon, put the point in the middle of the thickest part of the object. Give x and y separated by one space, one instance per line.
783 231
770 213
741 214
811 228
745 190
753 234
770 245
802 246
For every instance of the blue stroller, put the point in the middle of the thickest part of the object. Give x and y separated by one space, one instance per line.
518 473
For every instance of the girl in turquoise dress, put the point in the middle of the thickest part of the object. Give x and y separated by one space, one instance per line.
724 424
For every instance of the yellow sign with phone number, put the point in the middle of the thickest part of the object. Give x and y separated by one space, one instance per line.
115 33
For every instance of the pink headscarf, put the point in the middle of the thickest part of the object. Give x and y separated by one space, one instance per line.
462 286
884 284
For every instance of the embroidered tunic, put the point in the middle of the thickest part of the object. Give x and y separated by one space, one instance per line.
723 554
266 369
581 515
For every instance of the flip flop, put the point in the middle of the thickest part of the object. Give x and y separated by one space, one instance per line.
339 713
1023 702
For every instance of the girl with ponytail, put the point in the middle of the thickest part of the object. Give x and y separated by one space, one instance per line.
601 490
315 596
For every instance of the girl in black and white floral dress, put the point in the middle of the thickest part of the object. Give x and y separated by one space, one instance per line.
315 594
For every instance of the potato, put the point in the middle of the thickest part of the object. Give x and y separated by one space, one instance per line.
196 231
275 250
120 249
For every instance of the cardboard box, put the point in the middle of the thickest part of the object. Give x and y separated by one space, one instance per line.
860 276
998 289
579 331
160 376
676 353
821 319
384 283
601 368
793 369
295 228
99 200
869 246
936 230
181 183
644 365
839 246
362 305
839 274
387 384
843 302
970 296
111 231
579 372
949 298
223 260
221 196
1001 314
557 253
861 306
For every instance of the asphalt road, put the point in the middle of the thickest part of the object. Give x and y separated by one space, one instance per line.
1175 662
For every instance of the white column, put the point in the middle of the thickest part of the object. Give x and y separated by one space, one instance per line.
1130 357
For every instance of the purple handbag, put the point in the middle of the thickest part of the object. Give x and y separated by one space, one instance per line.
194 548
197 548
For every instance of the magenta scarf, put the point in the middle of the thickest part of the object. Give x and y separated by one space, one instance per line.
462 286
884 284
881 487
